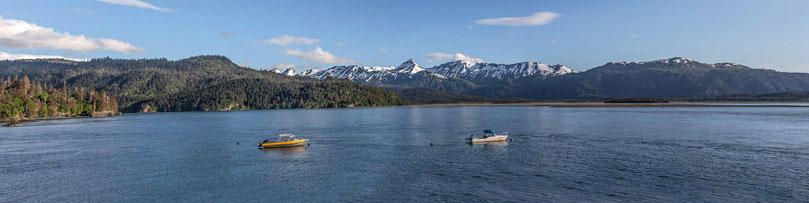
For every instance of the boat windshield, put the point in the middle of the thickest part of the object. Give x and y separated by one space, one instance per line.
286 137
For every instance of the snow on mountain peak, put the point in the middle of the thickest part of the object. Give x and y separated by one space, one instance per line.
464 63
562 69
457 69
290 72
309 72
409 67
680 60
675 60
487 71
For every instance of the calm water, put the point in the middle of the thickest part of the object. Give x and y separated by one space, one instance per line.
384 154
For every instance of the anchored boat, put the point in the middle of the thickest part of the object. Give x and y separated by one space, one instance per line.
284 140
488 136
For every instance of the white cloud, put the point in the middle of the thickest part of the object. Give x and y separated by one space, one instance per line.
540 18
9 56
283 66
21 34
382 49
136 3
318 56
633 37
455 57
339 44
283 40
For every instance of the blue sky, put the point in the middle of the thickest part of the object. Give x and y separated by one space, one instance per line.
578 34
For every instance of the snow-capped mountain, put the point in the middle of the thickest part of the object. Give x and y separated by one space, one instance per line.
454 76
288 71
456 69
676 77
374 75
493 71
408 74
409 67
309 72
670 63
353 72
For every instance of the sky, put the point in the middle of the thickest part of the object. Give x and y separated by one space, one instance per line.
320 34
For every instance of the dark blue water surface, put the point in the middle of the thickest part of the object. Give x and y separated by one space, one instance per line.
384 154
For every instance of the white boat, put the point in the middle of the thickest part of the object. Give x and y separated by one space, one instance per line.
488 136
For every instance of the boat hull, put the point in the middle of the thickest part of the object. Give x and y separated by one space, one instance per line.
496 138
293 143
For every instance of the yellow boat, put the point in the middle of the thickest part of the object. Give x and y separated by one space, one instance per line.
284 140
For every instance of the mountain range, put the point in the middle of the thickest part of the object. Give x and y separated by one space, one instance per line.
673 77
475 72
667 78
456 76
215 83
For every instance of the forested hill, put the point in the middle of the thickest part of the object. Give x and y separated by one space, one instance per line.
139 81
255 93
20 99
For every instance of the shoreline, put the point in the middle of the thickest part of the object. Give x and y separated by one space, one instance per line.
535 104
626 105
24 120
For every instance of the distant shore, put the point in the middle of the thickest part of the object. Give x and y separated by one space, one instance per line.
618 105
4 122
537 104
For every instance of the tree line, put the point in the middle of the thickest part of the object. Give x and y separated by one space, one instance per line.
21 99
254 93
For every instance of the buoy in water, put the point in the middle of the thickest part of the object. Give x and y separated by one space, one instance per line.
431 144
237 143
510 140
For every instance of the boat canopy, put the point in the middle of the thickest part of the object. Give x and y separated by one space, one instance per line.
285 137
488 131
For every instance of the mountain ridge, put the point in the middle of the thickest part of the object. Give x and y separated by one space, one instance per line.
676 77
458 69
135 83
137 80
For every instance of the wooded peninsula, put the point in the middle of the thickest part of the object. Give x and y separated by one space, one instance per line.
20 99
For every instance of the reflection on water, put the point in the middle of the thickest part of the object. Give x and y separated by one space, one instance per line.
286 152
489 144
285 149
49 122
